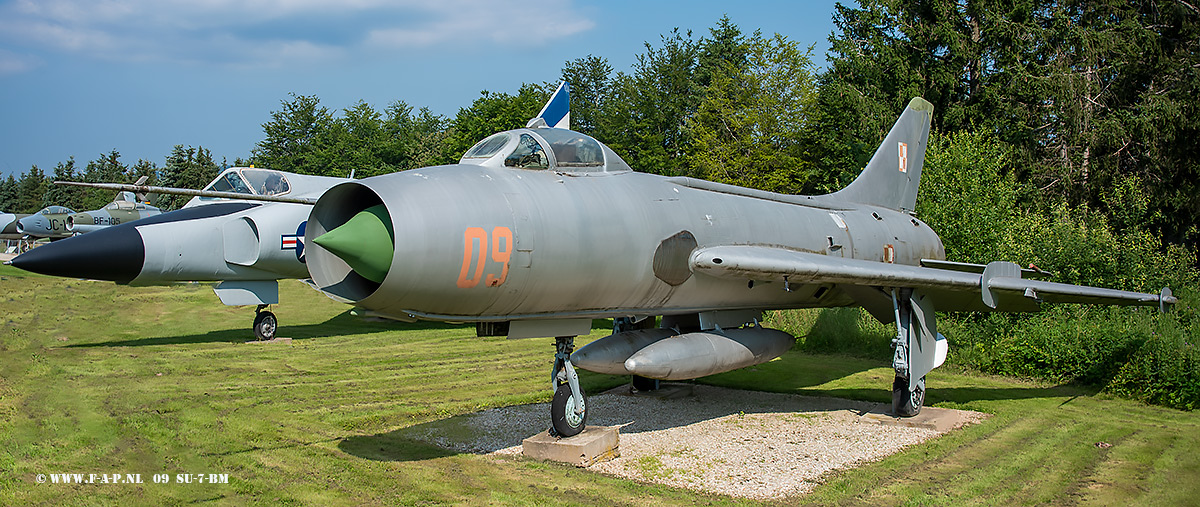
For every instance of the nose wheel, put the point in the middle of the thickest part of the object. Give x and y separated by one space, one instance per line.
568 410
265 324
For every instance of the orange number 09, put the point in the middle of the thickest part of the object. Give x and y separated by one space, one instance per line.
501 236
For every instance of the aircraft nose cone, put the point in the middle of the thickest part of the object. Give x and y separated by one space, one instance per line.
115 254
365 242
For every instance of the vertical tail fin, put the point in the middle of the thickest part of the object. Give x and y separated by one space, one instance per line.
557 111
892 176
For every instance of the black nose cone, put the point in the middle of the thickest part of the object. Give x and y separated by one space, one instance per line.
113 253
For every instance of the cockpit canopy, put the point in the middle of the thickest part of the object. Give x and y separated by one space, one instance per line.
559 150
250 181
56 210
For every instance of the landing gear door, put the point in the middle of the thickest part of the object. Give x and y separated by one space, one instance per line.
926 348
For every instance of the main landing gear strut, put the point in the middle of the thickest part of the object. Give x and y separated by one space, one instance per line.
568 410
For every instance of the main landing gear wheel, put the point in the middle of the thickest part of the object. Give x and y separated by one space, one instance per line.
265 325
566 422
906 403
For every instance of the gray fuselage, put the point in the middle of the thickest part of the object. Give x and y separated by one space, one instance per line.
588 244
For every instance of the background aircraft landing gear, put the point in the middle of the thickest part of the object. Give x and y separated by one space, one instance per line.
265 324
568 410
905 402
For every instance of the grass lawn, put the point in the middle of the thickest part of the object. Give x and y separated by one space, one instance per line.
98 378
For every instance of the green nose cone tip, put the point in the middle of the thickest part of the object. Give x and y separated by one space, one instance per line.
365 242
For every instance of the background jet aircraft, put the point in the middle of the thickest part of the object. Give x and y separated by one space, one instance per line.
546 229
8 225
219 235
8 230
50 222
225 233
127 207
124 209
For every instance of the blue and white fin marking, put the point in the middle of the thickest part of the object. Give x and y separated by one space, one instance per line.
557 111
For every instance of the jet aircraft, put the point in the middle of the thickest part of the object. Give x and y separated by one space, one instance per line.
50 222
127 207
8 230
224 233
541 230
8 225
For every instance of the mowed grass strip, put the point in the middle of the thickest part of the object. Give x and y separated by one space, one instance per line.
98 378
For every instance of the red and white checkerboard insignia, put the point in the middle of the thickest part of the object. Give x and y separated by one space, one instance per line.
903 157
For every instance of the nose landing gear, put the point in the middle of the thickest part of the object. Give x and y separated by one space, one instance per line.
265 324
568 410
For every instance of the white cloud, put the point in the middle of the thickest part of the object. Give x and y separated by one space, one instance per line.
276 32
12 63
511 22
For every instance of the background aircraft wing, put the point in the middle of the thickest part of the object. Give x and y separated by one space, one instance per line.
999 288
142 189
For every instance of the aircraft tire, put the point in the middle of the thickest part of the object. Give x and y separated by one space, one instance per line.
563 420
265 325
907 403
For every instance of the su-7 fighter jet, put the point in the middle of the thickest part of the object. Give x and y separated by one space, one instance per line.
245 230
546 229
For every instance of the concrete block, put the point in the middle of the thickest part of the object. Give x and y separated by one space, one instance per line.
595 444
938 419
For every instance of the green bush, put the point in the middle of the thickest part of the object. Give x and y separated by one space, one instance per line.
983 215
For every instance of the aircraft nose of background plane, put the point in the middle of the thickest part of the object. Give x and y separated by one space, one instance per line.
365 242
114 253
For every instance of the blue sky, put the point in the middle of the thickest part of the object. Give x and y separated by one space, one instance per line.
83 77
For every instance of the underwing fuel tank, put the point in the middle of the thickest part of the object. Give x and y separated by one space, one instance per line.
686 356
608 354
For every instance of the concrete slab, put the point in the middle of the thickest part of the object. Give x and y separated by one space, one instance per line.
933 418
595 444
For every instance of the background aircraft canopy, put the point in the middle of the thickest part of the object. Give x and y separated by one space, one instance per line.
55 210
561 150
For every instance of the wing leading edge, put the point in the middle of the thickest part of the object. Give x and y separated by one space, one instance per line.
999 288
